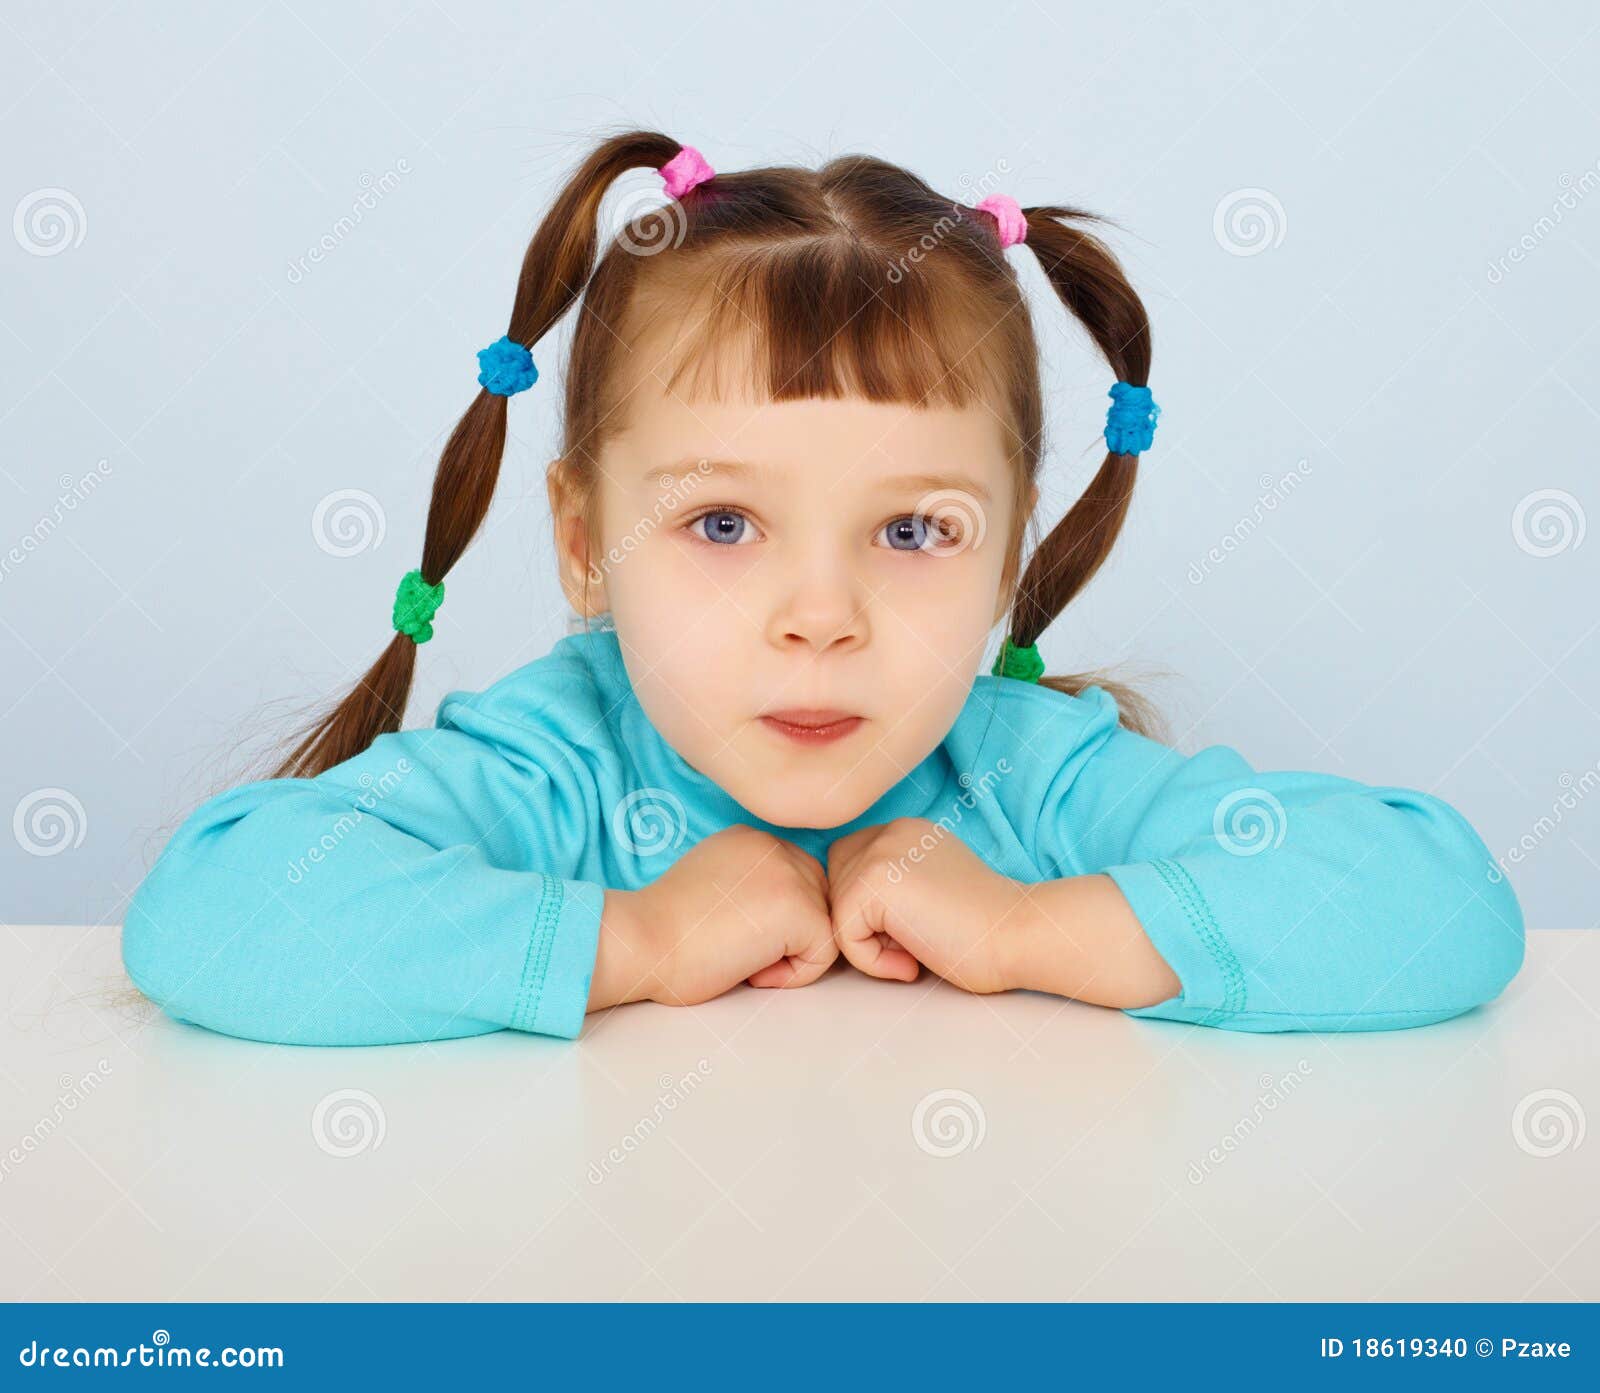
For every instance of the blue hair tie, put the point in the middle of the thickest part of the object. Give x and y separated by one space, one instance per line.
1131 421
506 367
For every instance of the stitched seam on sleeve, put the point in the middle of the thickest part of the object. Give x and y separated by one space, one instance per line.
541 940
1182 885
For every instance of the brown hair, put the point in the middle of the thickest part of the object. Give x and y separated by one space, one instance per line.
855 279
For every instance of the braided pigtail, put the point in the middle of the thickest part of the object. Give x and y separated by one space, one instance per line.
558 264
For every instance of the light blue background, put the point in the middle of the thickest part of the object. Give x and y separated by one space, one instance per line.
1381 621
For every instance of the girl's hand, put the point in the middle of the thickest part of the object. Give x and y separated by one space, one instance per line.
742 905
911 892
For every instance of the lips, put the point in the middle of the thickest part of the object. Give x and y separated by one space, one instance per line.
812 725
810 717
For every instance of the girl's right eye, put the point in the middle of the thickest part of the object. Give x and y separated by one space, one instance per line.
723 527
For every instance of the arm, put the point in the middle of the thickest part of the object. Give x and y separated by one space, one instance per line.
425 889
1278 901
1079 937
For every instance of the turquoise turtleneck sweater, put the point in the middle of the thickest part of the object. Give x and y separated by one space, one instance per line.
448 880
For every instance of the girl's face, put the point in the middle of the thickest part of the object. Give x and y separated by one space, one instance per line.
839 556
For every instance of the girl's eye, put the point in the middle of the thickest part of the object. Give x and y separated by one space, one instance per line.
723 527
915 532
921 532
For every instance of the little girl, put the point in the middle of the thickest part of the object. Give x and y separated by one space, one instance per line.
803 427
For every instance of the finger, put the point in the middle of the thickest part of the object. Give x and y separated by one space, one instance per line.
802 967
862 938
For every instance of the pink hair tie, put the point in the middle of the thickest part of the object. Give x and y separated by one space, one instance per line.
1013 226
684 171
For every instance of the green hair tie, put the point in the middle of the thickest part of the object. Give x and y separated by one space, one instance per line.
415 604
1024 664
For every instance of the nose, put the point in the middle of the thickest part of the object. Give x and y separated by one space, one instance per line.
823 608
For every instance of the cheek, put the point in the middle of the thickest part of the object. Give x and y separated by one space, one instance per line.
950 596
687 682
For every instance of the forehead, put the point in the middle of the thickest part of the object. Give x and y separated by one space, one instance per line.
669 409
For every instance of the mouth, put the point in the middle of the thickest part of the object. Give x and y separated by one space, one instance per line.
810 726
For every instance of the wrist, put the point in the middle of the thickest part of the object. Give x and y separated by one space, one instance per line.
624 966
1019 948
1078 937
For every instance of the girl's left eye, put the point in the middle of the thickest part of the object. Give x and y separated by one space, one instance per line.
922 532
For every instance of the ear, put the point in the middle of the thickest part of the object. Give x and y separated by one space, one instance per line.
586 595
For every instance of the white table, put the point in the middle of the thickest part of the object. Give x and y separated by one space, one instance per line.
764 1146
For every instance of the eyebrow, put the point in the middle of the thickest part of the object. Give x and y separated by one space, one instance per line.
926 482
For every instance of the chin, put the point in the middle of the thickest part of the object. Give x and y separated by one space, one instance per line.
793 808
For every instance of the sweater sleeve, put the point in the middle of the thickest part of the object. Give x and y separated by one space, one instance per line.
418 891
1284 901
